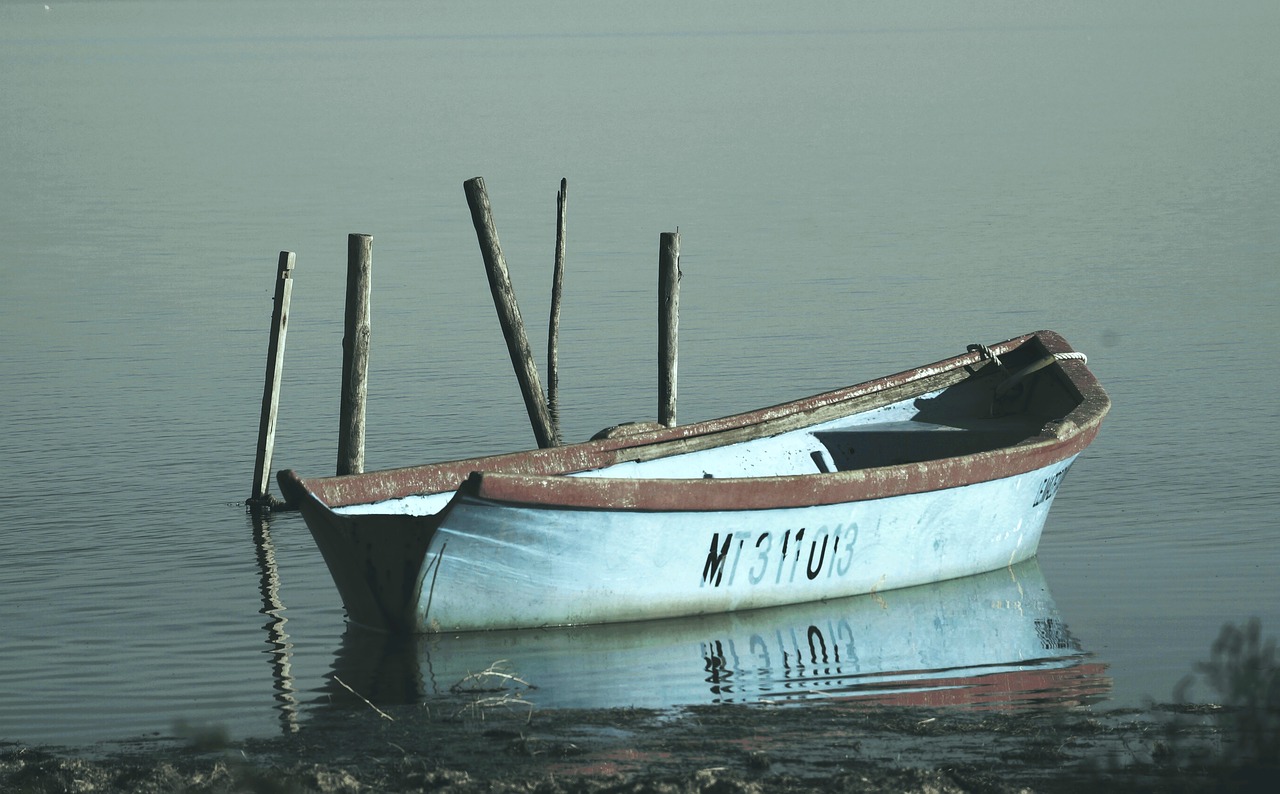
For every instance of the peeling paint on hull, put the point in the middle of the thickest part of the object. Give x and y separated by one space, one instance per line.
511 566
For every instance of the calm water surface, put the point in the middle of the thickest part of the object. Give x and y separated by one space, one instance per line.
858 190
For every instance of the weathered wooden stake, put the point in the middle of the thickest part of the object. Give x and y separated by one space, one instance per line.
271 391
504 299
557 288
668 324
355 355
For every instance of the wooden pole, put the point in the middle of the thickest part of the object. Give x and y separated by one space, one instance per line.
668 324
355 355
504 299
557 289
271 391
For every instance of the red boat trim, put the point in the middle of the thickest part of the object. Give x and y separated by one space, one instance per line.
763 493
529 476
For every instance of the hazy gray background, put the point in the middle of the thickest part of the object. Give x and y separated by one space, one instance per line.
859 188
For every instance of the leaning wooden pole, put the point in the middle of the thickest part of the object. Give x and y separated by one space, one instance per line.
355 355
504 299
668 324
553 329
271 391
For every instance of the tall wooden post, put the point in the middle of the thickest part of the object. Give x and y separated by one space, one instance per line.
271 390
355 355
504 300
668 324
557 289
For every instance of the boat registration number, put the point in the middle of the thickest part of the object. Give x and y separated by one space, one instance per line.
1049 486
775 557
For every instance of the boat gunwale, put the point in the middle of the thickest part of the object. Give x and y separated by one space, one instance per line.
772 492
534 477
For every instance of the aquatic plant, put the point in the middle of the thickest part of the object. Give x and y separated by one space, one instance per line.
1243 674
1242 669
496 687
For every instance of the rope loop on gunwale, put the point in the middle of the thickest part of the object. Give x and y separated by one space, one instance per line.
987 355
1074 355
1003 388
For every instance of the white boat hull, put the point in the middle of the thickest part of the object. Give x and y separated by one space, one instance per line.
494 565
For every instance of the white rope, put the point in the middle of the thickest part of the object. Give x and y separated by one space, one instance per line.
986 353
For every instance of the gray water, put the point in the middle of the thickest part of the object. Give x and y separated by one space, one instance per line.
859 188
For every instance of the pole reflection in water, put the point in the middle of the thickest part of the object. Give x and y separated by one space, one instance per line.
994 640
280 647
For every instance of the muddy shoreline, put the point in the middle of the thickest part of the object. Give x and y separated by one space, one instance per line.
510 748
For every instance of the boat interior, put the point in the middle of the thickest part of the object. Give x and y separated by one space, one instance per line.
894 443
951 412
993 407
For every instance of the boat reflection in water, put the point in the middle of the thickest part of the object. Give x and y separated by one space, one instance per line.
994 640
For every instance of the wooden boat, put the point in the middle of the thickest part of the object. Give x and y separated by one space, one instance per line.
935 473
